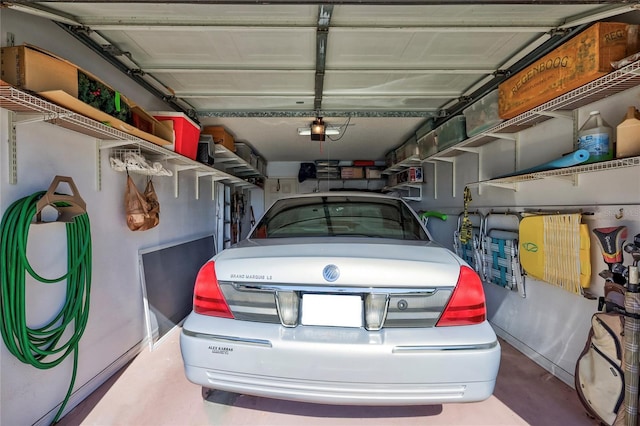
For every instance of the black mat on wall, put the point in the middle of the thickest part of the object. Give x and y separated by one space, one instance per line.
168 274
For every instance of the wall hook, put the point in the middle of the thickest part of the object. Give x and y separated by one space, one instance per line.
68 206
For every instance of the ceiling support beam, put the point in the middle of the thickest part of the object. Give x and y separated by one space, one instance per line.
322 34
312 114
219 70
357 2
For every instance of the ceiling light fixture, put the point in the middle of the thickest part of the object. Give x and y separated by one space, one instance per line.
331 131
318 130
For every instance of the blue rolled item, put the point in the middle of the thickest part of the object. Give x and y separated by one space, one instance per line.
573 159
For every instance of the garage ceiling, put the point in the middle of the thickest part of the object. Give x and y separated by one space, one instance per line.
376 69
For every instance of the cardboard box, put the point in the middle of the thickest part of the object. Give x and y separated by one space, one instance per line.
351 172
36 70
407 149
220 136
161 129
64 99
186 133
580 60
628 134
29 68
390 158
373 173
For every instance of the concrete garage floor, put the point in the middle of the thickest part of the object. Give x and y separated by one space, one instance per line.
152 390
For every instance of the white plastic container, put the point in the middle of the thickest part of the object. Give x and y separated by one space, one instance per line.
596 136
628 134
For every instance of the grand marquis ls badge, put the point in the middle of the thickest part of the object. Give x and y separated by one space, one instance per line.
331 273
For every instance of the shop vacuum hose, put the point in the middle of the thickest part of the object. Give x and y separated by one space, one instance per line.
43 347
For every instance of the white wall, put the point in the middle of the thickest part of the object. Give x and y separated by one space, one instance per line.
115 327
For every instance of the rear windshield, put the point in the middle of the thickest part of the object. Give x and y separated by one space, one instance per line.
328 216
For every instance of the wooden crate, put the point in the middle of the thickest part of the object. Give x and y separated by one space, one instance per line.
220 136
580 60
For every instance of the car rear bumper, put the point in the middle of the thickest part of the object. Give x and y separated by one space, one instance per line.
352 367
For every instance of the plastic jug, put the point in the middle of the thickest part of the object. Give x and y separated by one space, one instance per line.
628 134
596 136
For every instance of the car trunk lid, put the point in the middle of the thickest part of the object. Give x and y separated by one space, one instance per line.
357 262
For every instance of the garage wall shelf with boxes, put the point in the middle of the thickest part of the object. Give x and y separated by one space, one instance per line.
532 96
244 162
562 107
404 171
238 158
39 86
342 174
28 108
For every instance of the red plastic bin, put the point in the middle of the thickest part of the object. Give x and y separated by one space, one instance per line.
186 132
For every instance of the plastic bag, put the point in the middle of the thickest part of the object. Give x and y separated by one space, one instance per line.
151 197
142 210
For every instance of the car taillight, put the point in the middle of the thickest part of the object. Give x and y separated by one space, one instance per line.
467 304
207 296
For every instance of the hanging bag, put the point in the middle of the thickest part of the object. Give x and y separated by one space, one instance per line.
142 210
153 204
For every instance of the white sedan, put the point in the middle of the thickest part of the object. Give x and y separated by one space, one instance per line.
341 298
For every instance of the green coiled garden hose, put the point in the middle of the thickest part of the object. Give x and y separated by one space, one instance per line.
34 345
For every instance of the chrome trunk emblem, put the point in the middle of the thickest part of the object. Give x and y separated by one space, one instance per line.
331 273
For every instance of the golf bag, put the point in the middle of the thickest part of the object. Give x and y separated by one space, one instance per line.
599 378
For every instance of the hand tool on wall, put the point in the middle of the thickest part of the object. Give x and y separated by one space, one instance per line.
425 215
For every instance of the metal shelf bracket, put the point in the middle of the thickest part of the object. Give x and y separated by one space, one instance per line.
113 144
176 177
478 152
513 186
435 177
557 114
573 179
507 136
98 157
197 185
451 160
46 116
13 152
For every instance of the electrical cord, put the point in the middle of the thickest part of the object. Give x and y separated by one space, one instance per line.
33 345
